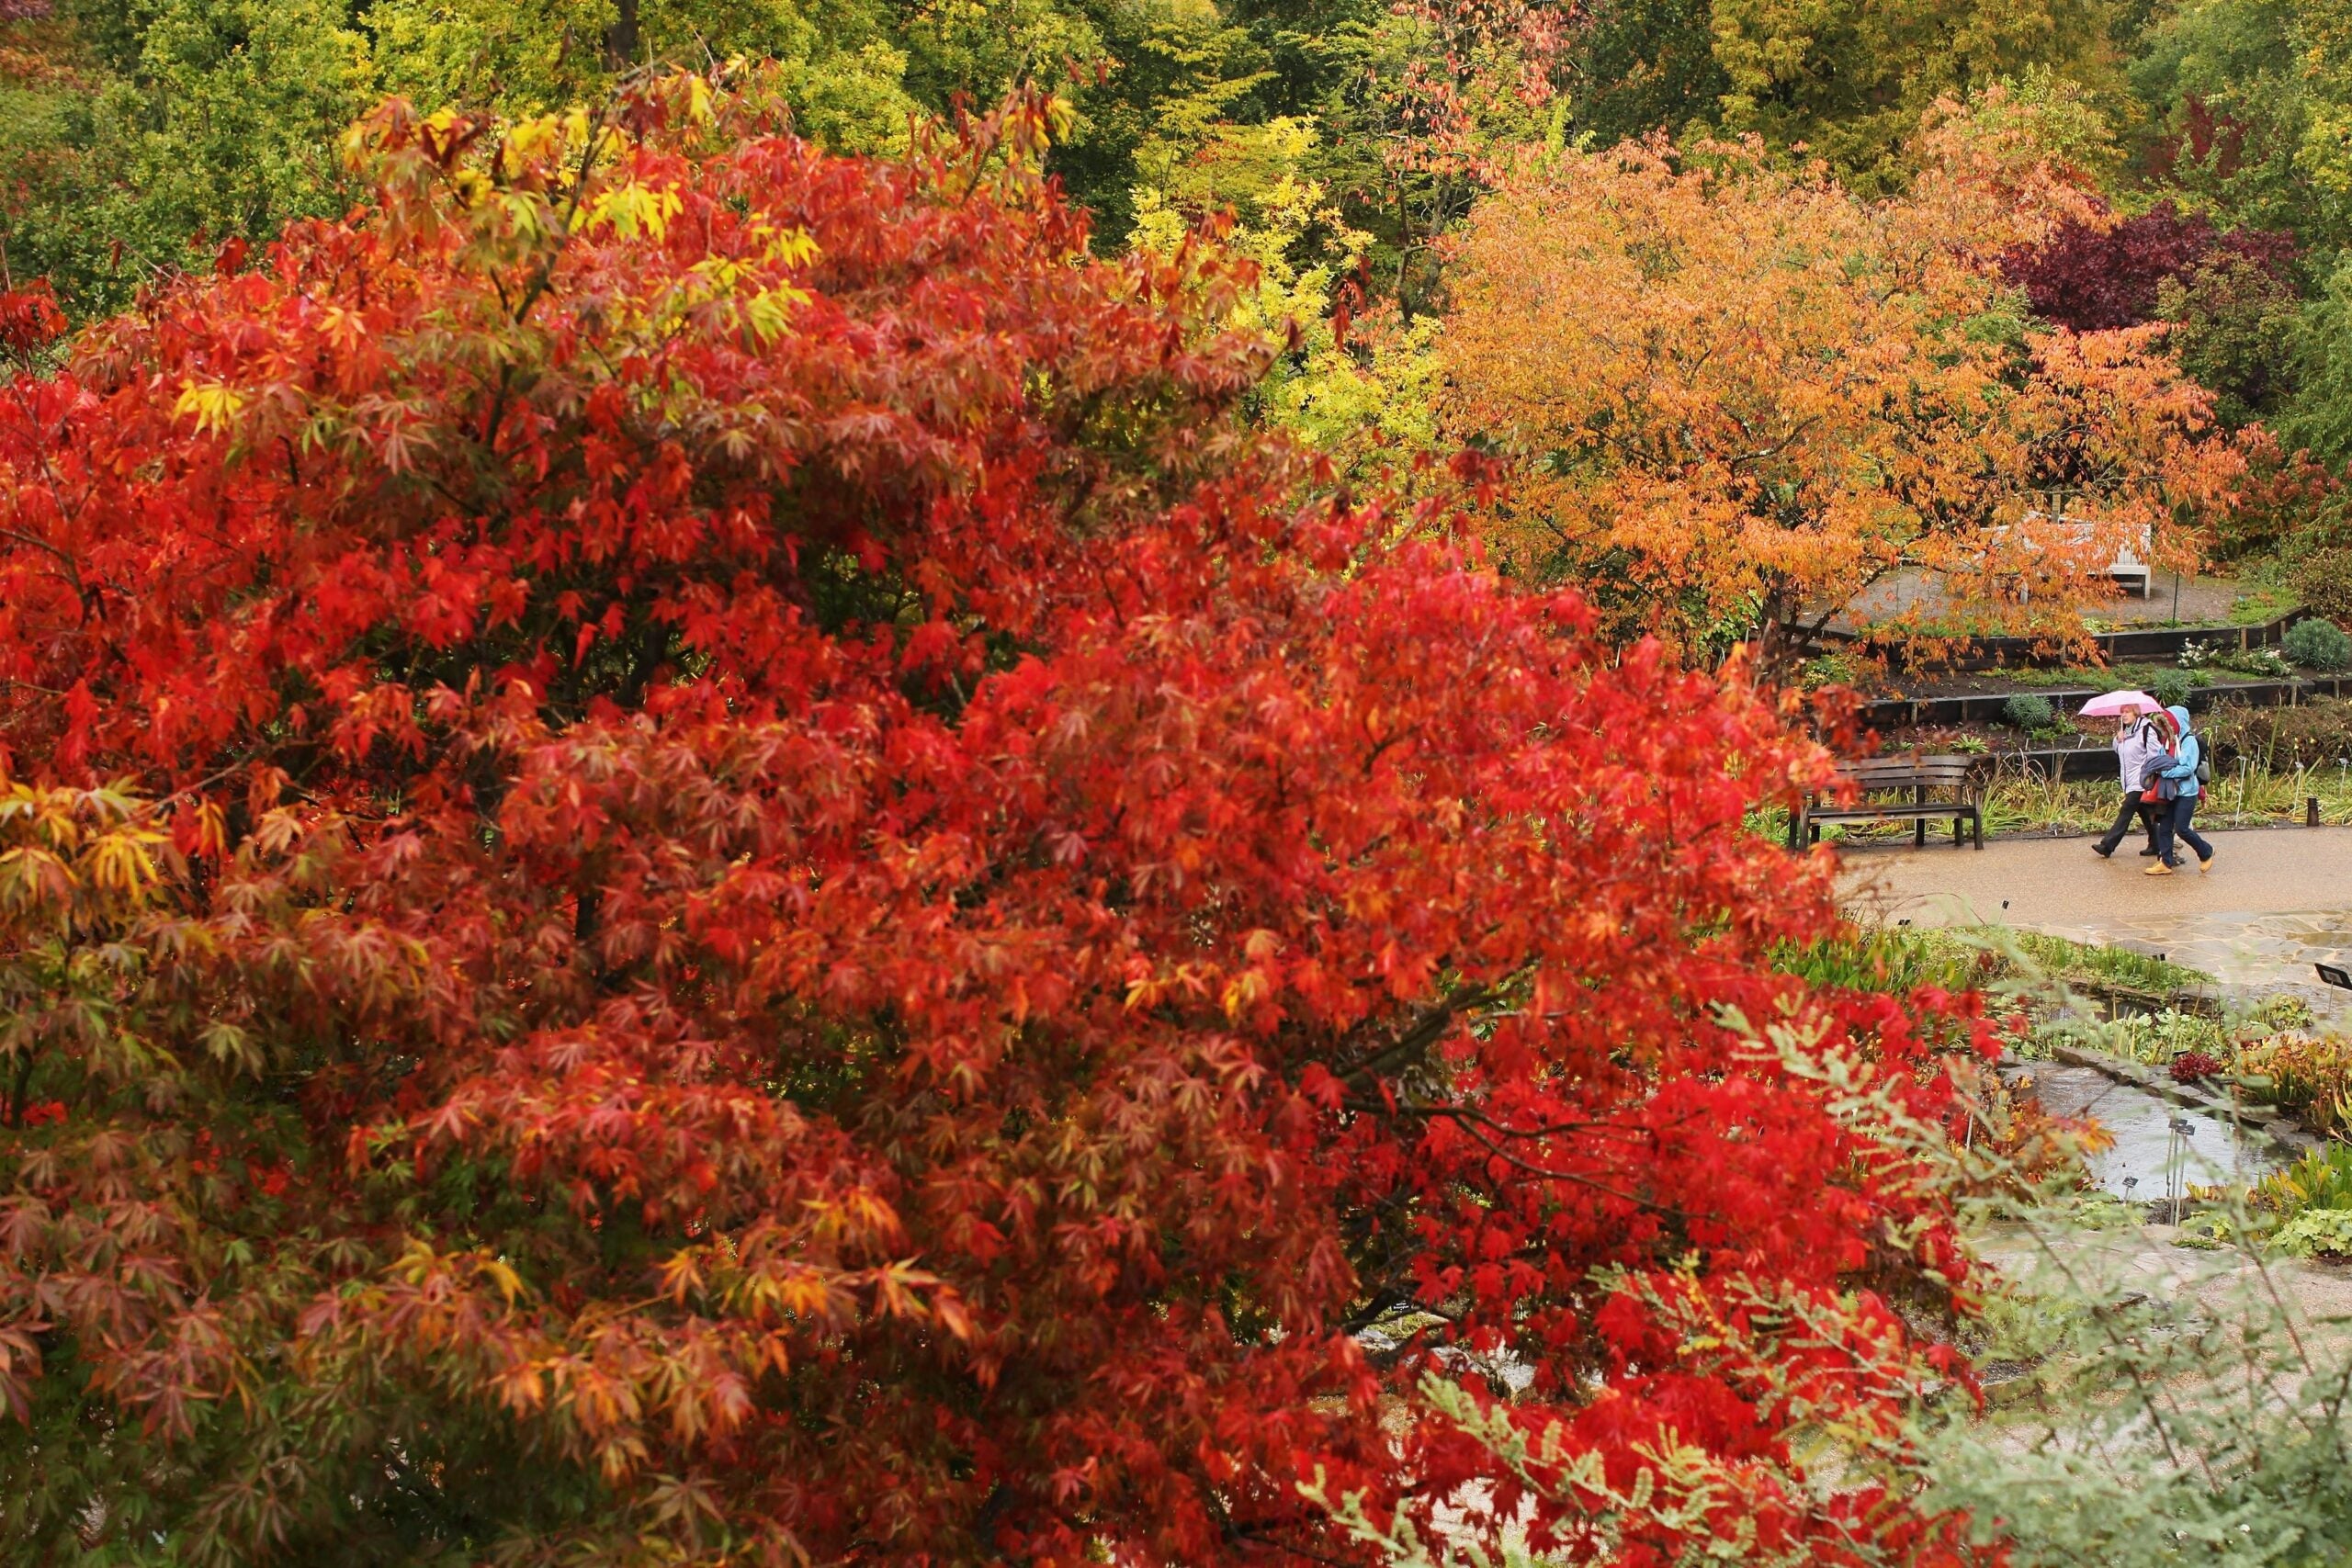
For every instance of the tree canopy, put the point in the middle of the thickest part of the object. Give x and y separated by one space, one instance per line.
702 863
1744 395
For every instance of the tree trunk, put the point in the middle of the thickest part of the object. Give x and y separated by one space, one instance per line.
620 38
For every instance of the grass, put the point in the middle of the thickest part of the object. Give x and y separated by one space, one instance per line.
1905 958
2020 798
2088 964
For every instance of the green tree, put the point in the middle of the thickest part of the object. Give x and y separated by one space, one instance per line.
1850 82
176 119
1644 65
2235 329
2226 106
128 127
843 66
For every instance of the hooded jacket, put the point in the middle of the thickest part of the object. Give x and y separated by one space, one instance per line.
2183 772
2135 749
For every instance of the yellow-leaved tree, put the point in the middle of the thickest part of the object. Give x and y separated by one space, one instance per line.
1740 396
1351 376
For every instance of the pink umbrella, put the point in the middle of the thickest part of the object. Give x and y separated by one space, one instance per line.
2115 702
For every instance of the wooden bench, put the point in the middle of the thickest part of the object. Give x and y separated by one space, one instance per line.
1923 789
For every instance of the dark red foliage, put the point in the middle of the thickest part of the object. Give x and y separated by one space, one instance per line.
2194 1066
2214 143
2094 279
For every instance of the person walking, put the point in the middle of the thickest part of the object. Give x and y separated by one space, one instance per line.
2178 789
2136 745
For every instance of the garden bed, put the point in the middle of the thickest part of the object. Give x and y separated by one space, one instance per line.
2120 644
1987 703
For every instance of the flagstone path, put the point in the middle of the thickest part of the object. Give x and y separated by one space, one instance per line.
2276 901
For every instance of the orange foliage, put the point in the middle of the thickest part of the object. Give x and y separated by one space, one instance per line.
1740 395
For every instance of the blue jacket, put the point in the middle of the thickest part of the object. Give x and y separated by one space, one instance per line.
2183 772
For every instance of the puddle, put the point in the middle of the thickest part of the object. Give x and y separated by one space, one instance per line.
2151 1156
2272 954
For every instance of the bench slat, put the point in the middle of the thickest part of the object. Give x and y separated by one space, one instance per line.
1932 810
1940 787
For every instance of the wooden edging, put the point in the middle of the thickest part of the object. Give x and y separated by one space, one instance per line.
1903 713
2135 642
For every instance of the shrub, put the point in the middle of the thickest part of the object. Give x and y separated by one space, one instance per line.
2170 687
2164 1035
2307 734
2321 1179
2311 1074
2323 581
2318 645
2027 711
2090 277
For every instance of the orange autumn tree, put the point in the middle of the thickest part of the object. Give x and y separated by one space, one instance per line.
1740 395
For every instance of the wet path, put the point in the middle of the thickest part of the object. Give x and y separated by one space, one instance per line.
2276 901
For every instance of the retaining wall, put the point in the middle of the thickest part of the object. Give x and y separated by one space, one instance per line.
1904 713
2030 653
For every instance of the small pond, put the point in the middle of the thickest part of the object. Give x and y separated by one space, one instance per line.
2142 1124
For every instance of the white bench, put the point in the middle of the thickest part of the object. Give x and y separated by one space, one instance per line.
2129 566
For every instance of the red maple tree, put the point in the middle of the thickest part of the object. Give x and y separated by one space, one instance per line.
701 862
2094 278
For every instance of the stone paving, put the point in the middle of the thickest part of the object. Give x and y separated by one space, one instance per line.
2276 901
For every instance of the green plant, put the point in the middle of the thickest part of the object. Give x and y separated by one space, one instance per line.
2321 1179
1839 669
2158 1038
1893 962
2316 1233
2311 1074
2324 580
2028 711
2273 1014
2318 645
2265 663
2200 1425
1905 958
2081 962
2170 687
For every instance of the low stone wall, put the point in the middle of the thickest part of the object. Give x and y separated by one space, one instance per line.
2289 1140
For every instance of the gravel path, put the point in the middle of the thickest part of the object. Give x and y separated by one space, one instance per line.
2196 600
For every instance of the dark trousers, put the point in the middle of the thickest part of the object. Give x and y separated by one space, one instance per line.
2135 809
2172 823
